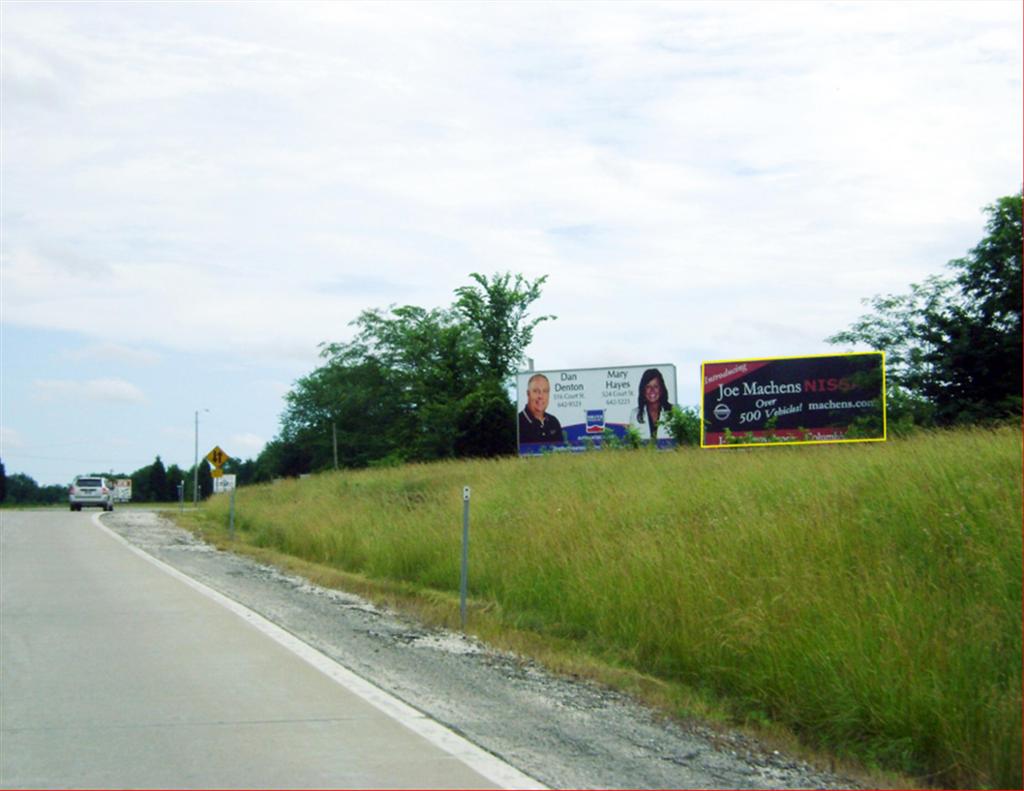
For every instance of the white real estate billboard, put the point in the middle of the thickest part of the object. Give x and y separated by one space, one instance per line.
224 483
123 490
573 409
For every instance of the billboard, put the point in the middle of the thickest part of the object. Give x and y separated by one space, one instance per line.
123 490
821 398
571 410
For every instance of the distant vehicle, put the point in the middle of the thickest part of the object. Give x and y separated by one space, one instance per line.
91 490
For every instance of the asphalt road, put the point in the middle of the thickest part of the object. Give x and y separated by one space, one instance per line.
117 671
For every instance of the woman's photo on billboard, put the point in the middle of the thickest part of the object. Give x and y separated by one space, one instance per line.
652 400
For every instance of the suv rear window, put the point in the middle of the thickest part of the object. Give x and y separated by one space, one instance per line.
89 482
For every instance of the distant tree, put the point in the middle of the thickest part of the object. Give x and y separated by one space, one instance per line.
953 344
395 389
52 493
141 489
245 471
205 480
413 384
22 489
363 400
486 423
3 482
158 488
175 477
497 308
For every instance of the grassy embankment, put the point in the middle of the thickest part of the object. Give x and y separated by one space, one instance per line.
868 597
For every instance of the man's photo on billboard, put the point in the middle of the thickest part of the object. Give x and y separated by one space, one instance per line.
536 424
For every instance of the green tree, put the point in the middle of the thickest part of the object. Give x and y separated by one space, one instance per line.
159 491
22 489
419 364
978 337
53 493
175 476
412 384
205 480
953 344
244 471
486 422
141 490
362 401
498 308
3 482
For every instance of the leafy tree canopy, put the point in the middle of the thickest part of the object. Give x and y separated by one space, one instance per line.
413 383
953 344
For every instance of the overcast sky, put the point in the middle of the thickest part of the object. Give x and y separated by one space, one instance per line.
195 195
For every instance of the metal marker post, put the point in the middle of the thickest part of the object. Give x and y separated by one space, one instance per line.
231 521
181 497
465 555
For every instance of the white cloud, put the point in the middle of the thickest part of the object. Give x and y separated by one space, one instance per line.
111 390
9 438
245 446
107 353
721 178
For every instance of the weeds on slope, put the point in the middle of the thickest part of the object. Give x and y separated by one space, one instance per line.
866 596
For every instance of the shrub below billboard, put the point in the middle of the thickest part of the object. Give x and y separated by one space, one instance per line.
823 398
583 408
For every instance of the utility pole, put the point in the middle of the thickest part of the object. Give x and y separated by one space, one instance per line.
195 474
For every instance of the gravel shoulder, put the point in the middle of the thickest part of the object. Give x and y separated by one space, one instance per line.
565 733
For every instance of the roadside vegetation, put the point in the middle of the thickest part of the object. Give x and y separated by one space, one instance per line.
866 597
436 383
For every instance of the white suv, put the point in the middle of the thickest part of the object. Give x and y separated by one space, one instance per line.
91 490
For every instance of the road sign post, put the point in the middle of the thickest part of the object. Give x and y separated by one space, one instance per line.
464 583
231 521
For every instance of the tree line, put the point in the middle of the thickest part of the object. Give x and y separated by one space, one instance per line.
153 483
417 384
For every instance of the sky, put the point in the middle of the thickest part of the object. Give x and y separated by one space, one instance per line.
195 195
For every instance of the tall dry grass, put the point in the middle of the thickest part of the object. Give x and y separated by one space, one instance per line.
868 596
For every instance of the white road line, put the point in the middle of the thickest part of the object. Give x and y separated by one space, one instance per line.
478 759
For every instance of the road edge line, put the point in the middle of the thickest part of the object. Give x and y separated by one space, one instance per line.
475 757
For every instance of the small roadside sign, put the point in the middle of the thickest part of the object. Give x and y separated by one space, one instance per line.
217 457
216 472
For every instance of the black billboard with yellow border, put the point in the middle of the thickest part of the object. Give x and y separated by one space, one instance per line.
793 400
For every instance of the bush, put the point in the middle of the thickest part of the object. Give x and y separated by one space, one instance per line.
683 424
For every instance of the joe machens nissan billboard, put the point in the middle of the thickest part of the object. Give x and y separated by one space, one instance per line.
825 398
569 410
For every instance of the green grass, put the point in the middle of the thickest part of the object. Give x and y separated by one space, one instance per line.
867 597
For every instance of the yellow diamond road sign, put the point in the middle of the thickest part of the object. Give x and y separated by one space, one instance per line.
216 472
217 457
